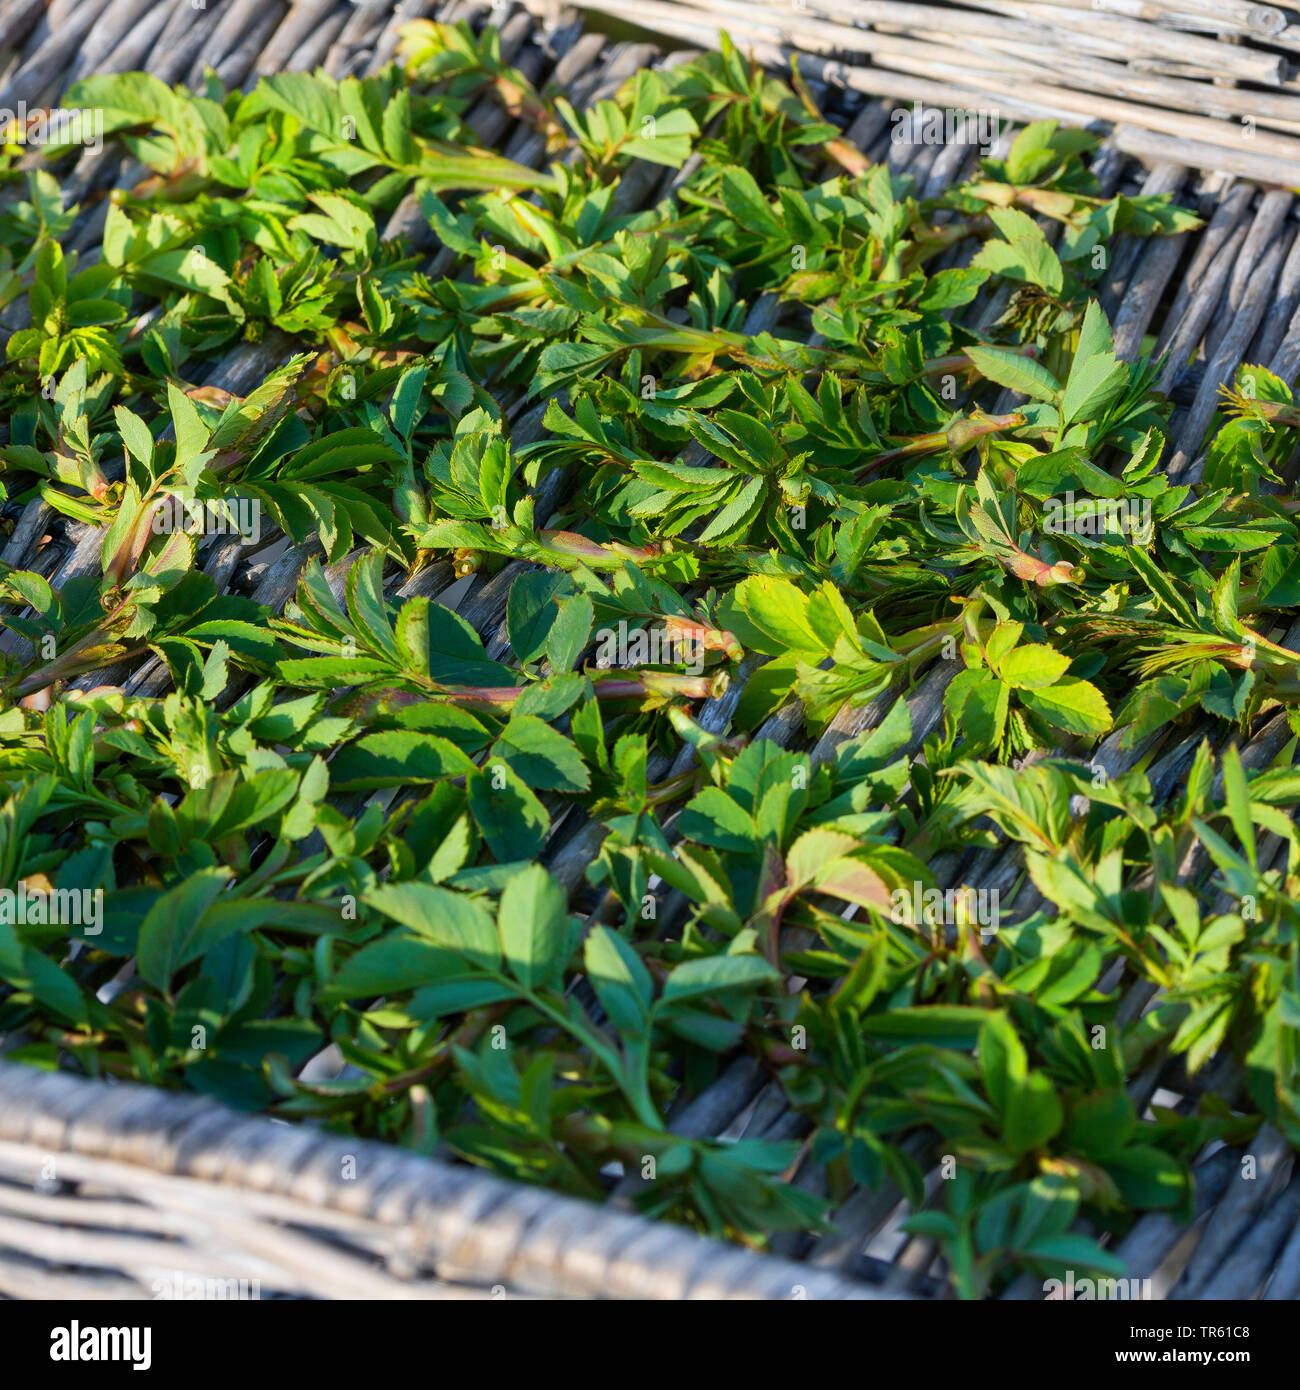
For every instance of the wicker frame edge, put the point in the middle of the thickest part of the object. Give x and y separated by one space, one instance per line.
459 1223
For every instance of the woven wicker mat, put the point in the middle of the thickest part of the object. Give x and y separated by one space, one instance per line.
1215 298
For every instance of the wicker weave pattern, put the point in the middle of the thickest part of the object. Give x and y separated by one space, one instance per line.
166 1183
1167 76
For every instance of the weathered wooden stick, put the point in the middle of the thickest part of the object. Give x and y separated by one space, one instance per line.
1271 157
1278 110
1239 159
1248 63
304 17
816 35
1262 22
1117 110
1286 296
1245 317
184 35
1085 26
17 19
43 69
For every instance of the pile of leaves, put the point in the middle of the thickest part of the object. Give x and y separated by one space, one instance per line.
788 456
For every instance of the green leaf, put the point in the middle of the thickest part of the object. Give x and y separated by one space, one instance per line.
25 968
313 100
1238 801
570 633
542 756
1148 1178
779 614
397 759
1025 256
717 975
941 1025
392 964
978 705
1073 705
1002 1059
713 818
514 823
173 932
534 927
1076 1252
1018 373
531 611
620 979
1033 667
451 920
1092 388
135 434
744 201
1100 1125
1032 1113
